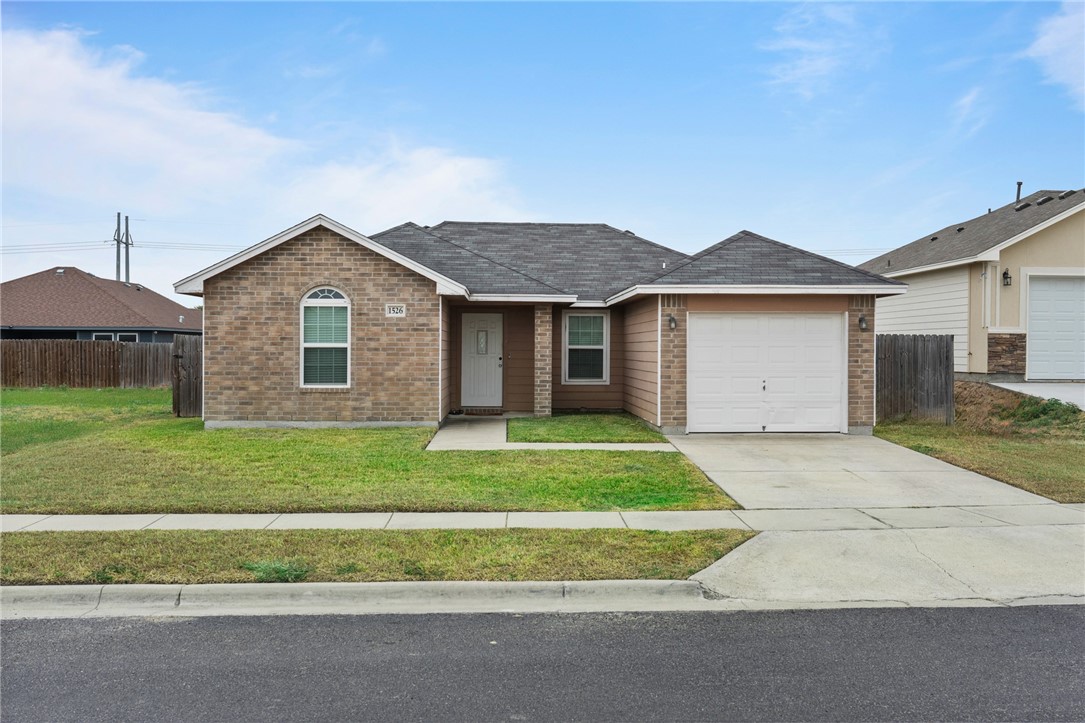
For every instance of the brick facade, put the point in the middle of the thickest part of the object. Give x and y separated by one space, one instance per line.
1006 353
544 355
252 359
861 348
672 364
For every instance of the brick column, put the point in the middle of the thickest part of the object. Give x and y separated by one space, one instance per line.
544 359
672 357
860 365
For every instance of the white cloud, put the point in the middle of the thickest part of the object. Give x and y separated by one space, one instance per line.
818 42
970 113
85 132
1059 48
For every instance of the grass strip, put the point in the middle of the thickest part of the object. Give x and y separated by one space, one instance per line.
582 428
219 556
1052 465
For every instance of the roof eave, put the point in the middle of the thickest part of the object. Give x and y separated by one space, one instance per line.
821 289
193 285
537 298
992 253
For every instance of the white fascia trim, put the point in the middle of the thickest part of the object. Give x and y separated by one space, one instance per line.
537 298
590 305
876 289
194 284
991 254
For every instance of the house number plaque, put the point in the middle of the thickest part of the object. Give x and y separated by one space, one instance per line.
395 309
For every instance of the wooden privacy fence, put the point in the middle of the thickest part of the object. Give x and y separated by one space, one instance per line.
72 363
915 376
187 376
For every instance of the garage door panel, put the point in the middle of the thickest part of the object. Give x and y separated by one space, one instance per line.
1055 344
765 372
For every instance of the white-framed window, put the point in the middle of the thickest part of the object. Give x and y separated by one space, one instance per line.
585 341
102 336
127 336
325 338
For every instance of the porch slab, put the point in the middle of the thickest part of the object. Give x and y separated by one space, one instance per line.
692 520
568 520
469 433
331 521
816 519
446 520
1031 514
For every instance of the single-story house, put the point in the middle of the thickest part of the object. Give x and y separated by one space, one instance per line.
322 325
1009 285
67 303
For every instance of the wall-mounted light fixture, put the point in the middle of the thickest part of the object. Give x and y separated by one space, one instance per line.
672 322
862 322
1007 280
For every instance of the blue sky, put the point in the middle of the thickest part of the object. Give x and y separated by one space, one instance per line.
843 129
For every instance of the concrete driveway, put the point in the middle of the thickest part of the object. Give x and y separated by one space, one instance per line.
810 471
828 501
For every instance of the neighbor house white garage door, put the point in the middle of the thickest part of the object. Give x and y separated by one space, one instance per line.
766 373
1055 345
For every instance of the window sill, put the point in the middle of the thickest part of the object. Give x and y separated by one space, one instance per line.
323 390
585 382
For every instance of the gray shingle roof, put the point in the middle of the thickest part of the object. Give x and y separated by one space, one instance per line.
748 258
592 260
968 239
478 273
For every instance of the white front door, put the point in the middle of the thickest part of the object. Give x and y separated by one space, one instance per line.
482 360
765 373
1055 346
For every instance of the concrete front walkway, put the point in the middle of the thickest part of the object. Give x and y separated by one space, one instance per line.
482 433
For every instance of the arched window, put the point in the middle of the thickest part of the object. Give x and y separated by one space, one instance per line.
325 339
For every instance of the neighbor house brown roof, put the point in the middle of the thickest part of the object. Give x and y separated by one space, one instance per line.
65 297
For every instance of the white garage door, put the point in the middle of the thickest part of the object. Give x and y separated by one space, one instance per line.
765 373
1055 345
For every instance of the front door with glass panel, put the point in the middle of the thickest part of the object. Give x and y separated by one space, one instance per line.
482 360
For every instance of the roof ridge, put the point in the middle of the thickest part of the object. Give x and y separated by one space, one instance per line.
699 255
476 253
104 286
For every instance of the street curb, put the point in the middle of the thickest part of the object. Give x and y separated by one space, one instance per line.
71 601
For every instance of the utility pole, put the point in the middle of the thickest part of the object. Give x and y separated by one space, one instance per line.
117 240
127 245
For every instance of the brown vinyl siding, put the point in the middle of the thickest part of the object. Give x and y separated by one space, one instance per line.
642 358
518 352
592 396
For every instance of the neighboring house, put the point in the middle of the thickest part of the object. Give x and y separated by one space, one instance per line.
1009 285
323 325
66 303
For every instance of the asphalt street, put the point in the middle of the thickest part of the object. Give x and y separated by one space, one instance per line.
1024 663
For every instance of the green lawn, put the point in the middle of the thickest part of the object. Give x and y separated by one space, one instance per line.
582 428
189 556
1037 445
121 451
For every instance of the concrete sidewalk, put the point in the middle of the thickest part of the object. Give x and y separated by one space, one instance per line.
870 518
488 433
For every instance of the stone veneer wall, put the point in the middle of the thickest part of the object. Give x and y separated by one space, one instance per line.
252 337
861 360
1006 353
544 355
672 359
